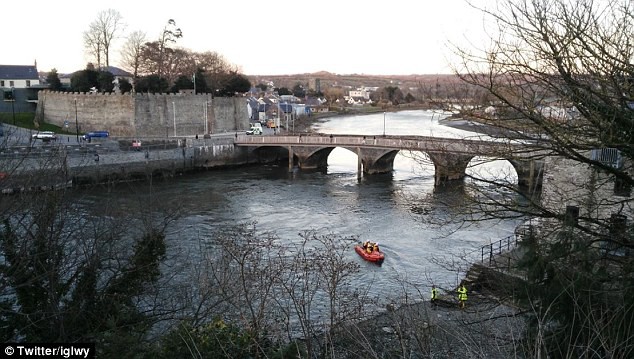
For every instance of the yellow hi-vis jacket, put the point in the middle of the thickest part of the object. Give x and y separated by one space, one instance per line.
462 293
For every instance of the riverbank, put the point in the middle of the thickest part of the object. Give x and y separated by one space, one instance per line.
488 327
473 125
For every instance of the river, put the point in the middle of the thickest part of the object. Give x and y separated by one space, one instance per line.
395 209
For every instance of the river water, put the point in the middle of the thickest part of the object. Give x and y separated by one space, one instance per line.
400 210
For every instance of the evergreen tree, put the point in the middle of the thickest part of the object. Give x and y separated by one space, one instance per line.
69 280
183 82
85 80
124 85
152 84
54 83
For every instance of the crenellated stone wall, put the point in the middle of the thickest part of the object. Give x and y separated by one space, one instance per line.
143 115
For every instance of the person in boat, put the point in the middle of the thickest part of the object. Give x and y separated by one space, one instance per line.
366 244
434 296
376 247
369 248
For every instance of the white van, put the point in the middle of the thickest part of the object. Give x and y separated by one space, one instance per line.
256 129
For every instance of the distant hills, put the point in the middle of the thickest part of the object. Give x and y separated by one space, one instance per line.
328 79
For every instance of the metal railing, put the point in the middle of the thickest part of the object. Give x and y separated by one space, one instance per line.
497 248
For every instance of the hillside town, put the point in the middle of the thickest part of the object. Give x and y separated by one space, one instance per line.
308 96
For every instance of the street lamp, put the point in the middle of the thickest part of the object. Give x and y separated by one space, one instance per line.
76 122
13 104
384 112
174 110
205 115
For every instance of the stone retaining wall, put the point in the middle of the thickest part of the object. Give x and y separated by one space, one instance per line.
61 167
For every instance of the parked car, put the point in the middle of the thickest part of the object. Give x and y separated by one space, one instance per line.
44 136
88 136
95 134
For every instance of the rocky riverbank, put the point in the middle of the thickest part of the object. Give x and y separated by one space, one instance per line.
488 327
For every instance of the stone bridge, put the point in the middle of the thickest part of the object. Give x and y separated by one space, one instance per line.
376 154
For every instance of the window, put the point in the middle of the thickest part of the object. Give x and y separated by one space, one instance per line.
607 156
1 83
622 188
571 218
11 84
617 243
28 83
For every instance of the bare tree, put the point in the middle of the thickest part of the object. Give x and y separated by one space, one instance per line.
98 38
215 66
93 44
170 34
559 78
131 52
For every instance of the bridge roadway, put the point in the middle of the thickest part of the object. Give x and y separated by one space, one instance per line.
376 154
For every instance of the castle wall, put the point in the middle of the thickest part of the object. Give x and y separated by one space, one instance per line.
143 115
89 112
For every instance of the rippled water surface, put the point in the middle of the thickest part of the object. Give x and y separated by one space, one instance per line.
394 209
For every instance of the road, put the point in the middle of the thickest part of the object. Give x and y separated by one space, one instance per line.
16 140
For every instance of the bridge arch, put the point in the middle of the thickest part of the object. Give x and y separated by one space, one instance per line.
484 168
310 157
268 154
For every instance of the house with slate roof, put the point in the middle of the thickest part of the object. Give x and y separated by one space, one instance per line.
18 76
19 85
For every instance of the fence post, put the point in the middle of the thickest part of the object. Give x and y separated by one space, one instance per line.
490 253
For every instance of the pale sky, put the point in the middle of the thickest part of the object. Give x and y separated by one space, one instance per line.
396 37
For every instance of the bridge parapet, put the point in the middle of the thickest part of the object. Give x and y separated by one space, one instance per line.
475 147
